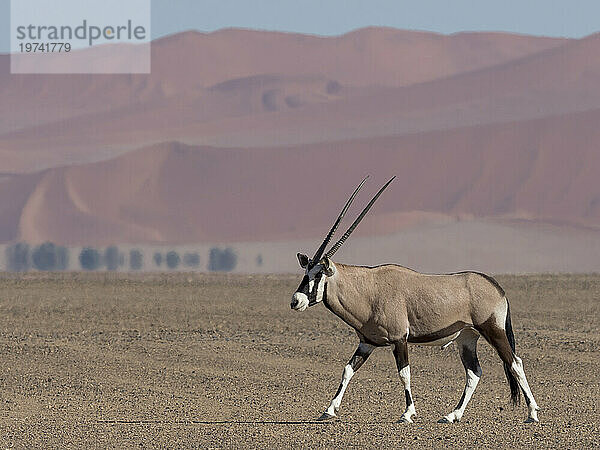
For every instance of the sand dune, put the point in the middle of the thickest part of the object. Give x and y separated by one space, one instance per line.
282 110
177 193
380 56
259 137
364 57
194 60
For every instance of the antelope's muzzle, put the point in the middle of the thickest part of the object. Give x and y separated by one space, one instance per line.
299 301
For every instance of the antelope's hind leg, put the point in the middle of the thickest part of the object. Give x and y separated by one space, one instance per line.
401 355
503 341
361 354
467 347
533 408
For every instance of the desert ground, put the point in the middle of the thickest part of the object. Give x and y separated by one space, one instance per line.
192 360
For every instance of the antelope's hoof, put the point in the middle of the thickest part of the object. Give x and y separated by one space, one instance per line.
533 415
447 420
326 416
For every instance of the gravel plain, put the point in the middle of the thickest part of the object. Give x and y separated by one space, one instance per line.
207 361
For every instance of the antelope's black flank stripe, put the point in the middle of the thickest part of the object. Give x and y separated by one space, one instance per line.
439 334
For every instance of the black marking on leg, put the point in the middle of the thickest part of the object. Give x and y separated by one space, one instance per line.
527 399
401 354
339 390
469 360
461 401
409 400
468 356
358 359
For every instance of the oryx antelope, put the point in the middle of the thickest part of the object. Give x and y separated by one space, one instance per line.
390 305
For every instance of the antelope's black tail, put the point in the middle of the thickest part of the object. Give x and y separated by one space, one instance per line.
515 393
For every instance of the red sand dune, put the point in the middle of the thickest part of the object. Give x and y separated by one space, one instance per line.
381 56
279 127
191 60
280 110
176 193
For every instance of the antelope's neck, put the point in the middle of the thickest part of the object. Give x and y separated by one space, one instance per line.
344 300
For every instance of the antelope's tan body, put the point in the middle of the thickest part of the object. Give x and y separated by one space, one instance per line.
383 302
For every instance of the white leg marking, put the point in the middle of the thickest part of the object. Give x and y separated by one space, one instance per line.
467 342
470 386
410 409
334 406
517 369
362 353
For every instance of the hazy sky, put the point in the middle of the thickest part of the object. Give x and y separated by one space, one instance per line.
541 17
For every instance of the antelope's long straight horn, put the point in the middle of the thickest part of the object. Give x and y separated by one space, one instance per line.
339 243
321 249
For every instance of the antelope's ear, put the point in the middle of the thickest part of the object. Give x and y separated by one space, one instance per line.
303 260
328 268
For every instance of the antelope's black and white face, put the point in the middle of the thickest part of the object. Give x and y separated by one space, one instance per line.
312 288
317 270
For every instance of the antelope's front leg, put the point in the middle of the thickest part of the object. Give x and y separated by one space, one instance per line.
401 355
360 356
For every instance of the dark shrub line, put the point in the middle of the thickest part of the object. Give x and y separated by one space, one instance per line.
48 256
